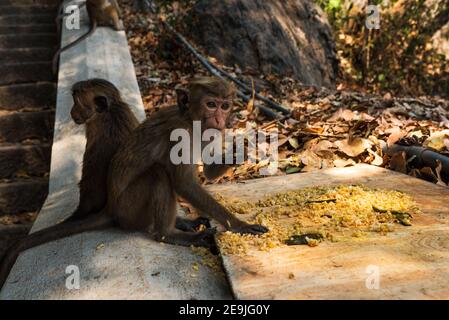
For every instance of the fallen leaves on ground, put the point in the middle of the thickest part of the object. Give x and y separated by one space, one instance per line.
328 128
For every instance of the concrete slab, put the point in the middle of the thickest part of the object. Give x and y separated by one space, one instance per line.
112 264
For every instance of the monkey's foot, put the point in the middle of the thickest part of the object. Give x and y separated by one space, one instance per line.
198 239
250 229
206 239
184 224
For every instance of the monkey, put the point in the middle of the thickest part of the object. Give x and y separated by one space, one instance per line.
108 121
134 205
143 182
101 13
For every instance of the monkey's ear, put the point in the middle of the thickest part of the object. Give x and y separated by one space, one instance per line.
182 96
101 103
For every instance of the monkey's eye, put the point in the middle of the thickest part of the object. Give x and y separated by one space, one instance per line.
225 106
211 105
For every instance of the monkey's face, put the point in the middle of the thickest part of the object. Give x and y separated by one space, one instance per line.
86 107
215 112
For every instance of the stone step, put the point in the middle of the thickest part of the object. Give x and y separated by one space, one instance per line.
18 55
28 28
19 126
17 160
23 196
28 40
25 72
18 19
28 95
17 8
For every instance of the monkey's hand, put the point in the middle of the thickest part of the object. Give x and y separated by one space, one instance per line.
255 229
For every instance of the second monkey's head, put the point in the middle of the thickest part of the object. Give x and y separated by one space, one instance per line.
92 97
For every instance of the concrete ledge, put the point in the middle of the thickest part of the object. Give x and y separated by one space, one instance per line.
112 264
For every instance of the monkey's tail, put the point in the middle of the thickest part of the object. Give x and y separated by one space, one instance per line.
93 27
61 230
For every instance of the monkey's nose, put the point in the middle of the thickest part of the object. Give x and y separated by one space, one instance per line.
220 123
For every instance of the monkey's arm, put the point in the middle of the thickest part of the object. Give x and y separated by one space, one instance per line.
213 171
186 186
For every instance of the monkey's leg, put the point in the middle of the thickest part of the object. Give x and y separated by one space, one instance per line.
163 200
184 224
115 18
198 239
149 203
213 171
92 194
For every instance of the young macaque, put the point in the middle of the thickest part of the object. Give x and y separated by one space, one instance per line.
143 183
109 122
101 13
135 205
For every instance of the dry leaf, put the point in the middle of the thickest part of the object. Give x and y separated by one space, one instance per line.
340 163
438 169
309 158
398 162
395 136
294 142
343 114
355 147
378 160
437 140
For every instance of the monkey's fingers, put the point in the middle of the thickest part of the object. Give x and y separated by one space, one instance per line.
201 221
184 224
255 229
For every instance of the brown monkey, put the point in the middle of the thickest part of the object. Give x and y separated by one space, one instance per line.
143 182
101 13
144 197
109 121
